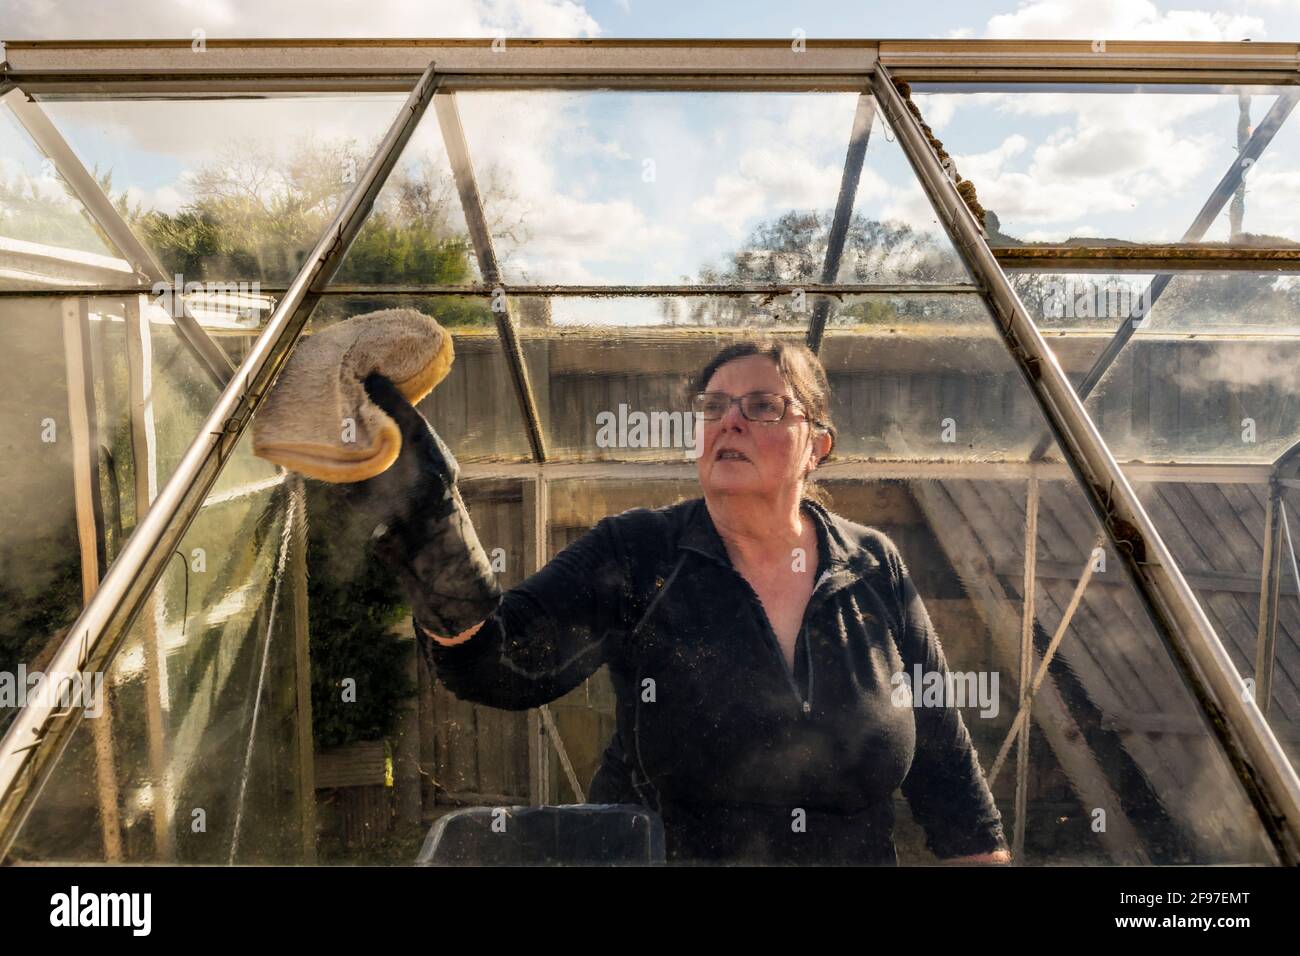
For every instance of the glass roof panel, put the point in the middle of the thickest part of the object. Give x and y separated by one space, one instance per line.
416 232
46 235
1101 165
622 188
227 189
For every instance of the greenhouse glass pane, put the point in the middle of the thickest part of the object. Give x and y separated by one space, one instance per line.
416 232
47 237
614 188
207 678
1228 302
96 407
1217 530
1117 164
226 190
1206 374
607 396
41 593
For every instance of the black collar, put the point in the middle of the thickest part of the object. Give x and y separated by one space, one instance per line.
844 561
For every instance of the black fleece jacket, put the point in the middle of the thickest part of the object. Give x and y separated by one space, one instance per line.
745 760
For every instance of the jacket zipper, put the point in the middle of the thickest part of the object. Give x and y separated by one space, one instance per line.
805 705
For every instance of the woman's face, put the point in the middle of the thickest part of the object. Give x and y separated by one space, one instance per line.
775 455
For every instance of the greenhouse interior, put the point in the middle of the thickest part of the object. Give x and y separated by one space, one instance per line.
1079 424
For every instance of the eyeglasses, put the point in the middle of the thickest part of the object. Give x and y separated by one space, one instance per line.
756 406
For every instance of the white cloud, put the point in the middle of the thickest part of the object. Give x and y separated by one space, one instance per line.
197 130
990 163
69 19
1138 160
166 199
909 205
529 143
1029 197
768 180
569 236
1110 153
778 154
1272 196
937 109
1039 235
1119 20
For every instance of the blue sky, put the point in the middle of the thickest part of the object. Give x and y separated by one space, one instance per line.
1113 19
844 18
628 188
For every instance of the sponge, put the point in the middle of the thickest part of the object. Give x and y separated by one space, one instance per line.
319 420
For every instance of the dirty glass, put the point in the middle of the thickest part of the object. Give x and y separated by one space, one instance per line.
270 703
97 415
226 190
1205 373
208 677
638 188
47 234
1114 164
1197 407
42 586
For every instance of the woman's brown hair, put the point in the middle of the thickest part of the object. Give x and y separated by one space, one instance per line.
802 371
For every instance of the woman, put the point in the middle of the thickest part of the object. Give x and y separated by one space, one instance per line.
751 635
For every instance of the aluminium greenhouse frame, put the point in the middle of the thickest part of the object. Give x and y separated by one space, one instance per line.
203 67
